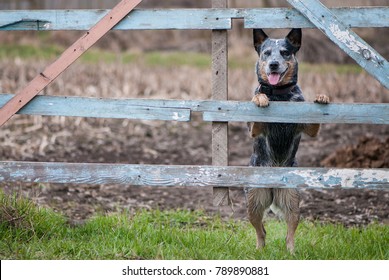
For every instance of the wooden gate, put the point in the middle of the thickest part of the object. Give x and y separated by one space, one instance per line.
335 23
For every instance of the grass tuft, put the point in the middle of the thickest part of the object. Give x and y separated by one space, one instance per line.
22 219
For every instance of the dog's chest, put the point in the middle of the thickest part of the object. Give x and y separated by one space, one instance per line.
277 146
280 136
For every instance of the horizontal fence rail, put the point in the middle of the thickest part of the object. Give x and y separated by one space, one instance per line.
192 176
224 111
185 18
103 108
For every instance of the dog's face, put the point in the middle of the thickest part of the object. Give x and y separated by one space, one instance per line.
277 64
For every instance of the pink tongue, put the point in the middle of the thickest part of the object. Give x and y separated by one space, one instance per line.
274 78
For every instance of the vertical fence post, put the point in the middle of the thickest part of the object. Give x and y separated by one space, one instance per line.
220 92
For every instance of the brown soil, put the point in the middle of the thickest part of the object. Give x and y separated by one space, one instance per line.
37 138
368 152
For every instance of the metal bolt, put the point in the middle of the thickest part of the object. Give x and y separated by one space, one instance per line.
366 54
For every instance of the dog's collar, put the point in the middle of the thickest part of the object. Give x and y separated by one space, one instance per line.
269 90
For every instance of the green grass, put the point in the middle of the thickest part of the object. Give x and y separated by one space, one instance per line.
165 59
30 232
53 51
29 51
162 59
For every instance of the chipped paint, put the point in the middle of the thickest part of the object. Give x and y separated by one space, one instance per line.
159 109
192 176
339 32
83 19
47 25
344 178
348 39
177 117
374 175
309 177
334 178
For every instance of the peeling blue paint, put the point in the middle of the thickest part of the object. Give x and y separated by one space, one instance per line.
185 18
339 32
192 176
213 110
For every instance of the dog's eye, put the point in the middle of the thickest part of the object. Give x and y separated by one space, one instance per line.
267 53
285 53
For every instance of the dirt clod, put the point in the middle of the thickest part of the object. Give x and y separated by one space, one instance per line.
369 152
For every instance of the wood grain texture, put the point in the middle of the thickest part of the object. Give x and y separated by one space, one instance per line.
300 112
338 32
192 176
213 110
292 18
215 18
70 55
220 92
102 108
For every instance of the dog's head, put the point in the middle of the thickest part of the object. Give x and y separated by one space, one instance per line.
277 64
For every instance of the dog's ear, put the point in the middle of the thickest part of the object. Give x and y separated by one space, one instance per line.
294 38
259 37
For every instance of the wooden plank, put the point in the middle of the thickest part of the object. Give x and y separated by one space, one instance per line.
307 113
291 18
214 110
220 92
192 176
141 19
101 108
345 38
66 59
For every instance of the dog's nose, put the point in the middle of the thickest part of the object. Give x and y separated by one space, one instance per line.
274 65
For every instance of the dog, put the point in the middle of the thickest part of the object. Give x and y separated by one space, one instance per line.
276 144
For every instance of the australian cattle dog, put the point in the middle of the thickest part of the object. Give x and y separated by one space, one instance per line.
276 144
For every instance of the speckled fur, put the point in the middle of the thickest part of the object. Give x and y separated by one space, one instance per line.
276 144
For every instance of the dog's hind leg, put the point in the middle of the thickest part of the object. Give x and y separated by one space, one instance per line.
310 129
287 200
258 201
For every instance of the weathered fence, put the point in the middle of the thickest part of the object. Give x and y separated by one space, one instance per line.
335 23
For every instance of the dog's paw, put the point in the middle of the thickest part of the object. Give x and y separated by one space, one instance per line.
322 99
260 100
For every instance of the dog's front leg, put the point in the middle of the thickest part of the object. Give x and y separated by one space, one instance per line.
260 100
322 99
255 128
312 129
